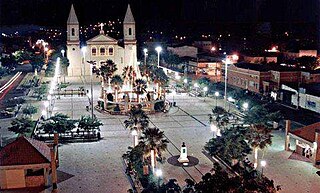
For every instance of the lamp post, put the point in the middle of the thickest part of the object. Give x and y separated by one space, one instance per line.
227 61
205 90
216 94
84 50
145 51
173 93
230 99
159 174
91 84
185 83
263 164
214 130
62 52
46 105
134 133
158 49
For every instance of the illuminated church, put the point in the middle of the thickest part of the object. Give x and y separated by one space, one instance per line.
101 47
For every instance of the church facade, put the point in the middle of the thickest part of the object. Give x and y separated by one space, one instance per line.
101 47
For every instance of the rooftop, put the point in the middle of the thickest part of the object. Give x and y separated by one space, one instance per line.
307 132
24 151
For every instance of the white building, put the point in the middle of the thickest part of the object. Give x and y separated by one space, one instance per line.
101 47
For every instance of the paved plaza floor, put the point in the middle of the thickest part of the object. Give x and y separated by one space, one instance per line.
98 167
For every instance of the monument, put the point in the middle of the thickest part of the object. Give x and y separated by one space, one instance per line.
183 155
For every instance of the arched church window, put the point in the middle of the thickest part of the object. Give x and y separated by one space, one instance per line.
130 31
102 51
94 51
110 51
73 32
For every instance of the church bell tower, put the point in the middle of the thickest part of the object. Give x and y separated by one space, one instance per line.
73 44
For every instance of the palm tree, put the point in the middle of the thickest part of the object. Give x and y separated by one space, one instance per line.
159 77
59 123
259 137
154 143
128 75
21 125
117 82
30 110
105 72
140 87
138 121
89 124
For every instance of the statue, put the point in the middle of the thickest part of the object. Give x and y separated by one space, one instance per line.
183 155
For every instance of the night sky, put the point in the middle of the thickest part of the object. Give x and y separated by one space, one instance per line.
149 13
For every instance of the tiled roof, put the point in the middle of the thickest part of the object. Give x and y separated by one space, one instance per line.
308 132
24 151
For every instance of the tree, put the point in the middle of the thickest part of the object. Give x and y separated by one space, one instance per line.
89 124
30 110
138 120
154 143
8 61
140 87
159 77
261 116
105 72
59 123
259 137
231 146
308 62
21 125
3 71
219 181
22 55
117 82
36 61
128 75
204 81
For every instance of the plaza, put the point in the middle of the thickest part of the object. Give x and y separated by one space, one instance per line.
99 167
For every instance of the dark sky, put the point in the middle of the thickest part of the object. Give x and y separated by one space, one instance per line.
159 12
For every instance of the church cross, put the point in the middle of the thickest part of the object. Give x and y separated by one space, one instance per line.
101 26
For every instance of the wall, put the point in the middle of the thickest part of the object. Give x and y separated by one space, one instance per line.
307 101
12 179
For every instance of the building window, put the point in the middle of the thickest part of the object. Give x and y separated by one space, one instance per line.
110 51
94 51
102 51
130 31
73 32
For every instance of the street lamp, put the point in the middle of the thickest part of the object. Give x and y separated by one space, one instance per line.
214 130
245 106
134 133
263 164
230 99
91 83
216 94
145 51
159 174
62 52
185 81
205 90
227 61
46 105
158 49
84 50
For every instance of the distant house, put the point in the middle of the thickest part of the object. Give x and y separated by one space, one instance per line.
27 163
182 51
307 141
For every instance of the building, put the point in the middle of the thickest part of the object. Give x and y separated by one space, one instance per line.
267 78
183 51
101 47
28 163
307 141
307 96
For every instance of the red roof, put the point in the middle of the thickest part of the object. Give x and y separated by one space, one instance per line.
25 151
308 132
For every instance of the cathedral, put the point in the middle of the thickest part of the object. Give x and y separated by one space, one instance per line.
101 47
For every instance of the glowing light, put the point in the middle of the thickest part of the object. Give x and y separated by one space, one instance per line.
216 94
263 163
158 49
158 172
205 89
